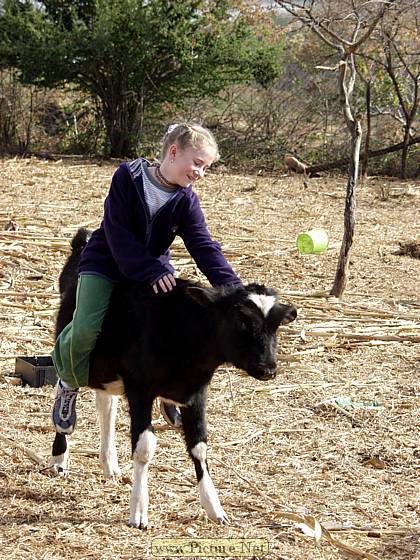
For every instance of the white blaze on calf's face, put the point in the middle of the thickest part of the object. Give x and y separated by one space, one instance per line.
265 303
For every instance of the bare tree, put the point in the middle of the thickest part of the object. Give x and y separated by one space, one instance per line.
401 48
367 75
390 70
344 27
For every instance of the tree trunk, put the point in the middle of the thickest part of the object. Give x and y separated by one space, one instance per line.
341 275
121 119
404 153
118 144
368 131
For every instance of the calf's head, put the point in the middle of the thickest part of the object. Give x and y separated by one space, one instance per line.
247 320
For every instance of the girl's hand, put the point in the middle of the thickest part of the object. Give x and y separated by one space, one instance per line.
165 284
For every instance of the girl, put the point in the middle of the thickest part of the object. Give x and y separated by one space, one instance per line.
146 207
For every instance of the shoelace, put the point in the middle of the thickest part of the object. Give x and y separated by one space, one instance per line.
67 397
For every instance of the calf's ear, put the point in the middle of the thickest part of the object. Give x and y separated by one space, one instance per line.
202 296
282 315
290 314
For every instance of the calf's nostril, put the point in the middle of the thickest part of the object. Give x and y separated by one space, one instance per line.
269 374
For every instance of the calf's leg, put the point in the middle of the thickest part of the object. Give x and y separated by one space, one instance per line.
139 500
195 432
106 407
144 446
60 455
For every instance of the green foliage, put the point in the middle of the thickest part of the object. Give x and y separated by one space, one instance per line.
134 56
64 13
266 64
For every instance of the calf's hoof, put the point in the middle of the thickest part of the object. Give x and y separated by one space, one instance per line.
110 471
59 465
219 516
142 525
56 470
223 520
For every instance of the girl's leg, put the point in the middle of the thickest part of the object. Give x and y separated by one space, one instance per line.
74 345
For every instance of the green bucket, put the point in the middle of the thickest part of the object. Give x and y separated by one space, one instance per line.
314 241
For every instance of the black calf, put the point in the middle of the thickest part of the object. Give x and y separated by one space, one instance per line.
169 346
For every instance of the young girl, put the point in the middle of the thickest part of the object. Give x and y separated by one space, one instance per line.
146 207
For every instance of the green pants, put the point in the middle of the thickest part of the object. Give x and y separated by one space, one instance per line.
77 340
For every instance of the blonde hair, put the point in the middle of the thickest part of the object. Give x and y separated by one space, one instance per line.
186 135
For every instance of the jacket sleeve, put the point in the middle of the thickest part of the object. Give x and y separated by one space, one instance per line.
131 255
206 252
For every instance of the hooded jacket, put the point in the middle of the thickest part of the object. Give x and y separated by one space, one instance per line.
129 244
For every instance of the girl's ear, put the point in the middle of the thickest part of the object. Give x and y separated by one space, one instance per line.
173 148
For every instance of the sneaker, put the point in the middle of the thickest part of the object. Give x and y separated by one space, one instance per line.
64 410
171 414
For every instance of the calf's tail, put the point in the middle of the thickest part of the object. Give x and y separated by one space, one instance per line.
68 280
79 240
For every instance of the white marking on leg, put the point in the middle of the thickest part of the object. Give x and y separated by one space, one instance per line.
60 463
106 408
199 451
209 498
139 500
265 303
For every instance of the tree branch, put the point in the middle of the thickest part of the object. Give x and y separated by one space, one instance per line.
311 169
372 26
309 21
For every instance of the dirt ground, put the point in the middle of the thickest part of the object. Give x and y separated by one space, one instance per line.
285 455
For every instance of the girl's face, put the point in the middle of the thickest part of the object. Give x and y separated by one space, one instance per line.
189 165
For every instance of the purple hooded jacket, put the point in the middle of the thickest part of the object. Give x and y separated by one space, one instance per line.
129 244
